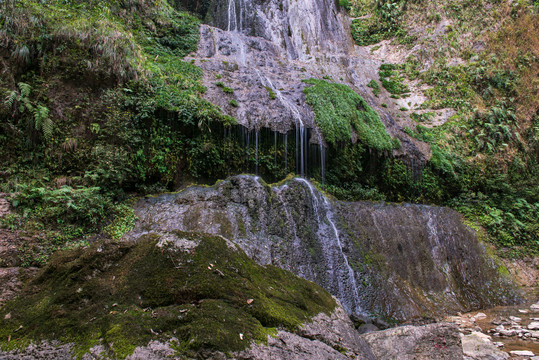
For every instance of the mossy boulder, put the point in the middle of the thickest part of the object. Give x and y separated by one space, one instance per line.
197 292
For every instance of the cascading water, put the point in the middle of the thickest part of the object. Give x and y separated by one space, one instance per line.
346 287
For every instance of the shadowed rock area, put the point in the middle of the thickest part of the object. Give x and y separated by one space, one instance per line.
399 262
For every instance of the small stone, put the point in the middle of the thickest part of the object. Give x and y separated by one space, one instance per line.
535 307
508 333
250 301
515 319
479 316
534 325
241 336
498 344
521 353
523 311
534 334
8 316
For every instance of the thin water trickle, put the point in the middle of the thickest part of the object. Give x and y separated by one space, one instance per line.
347 282
257 135
286 152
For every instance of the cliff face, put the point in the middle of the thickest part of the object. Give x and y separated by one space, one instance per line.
260 51
395 261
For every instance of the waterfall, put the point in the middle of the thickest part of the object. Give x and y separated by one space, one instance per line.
257 134
334 254
301 133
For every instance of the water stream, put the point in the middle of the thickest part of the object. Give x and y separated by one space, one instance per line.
347 287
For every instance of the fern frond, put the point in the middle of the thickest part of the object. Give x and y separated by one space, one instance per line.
10 99
48 127
25 89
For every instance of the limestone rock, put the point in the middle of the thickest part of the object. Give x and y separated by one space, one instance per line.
292 347
477 346
434 341
336 331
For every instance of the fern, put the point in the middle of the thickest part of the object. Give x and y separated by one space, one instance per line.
25 89
10 99
42 121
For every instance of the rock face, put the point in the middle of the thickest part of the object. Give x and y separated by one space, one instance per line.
397 261
434 341
262 49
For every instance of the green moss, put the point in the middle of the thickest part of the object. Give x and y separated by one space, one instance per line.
123 295
339 110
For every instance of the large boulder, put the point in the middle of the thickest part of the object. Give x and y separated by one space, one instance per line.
188 294
434 341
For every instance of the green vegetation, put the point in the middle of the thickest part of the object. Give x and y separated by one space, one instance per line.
375 87
378 20
484 160
97 103
97 106
161 293
339 110
392 80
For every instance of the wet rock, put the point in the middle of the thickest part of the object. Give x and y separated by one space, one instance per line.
433 341
478 346
401 259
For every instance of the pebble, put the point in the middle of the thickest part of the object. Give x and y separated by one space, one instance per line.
515 319
534 325
535 307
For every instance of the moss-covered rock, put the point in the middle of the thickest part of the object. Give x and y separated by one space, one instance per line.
200 290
